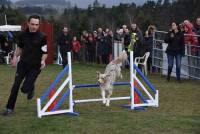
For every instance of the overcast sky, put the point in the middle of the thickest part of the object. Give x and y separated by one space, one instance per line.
109 3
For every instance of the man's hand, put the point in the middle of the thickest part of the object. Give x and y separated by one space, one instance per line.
15 58
42 64
44 56
14 61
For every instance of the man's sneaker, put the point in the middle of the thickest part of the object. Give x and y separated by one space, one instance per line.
7 112
30 95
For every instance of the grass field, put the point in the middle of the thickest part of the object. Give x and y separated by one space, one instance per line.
178 112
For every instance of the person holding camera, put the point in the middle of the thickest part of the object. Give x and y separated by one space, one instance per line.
175 49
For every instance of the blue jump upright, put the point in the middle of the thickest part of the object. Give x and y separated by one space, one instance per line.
152 99
42 111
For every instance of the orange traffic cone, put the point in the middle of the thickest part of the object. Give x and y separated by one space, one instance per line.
136 97
54 102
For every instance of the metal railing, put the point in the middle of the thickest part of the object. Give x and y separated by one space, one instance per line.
190 65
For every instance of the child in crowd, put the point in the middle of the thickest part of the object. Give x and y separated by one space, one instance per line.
76 49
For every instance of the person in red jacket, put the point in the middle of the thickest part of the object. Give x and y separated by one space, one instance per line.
191 42
191 39
76 49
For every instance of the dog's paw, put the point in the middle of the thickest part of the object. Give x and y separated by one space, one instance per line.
107 104
104 101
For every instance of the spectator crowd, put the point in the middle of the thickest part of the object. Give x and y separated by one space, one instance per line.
98 46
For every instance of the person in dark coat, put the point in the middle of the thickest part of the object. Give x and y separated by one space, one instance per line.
84 44
91 47
32 51
127 39
197 31
127 43
64 41
100 41
175 49
136 40
107 48
148 45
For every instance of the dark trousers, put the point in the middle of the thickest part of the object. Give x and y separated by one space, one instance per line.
105 59
91 56
30 74
178 58
76 56
149 64
63 53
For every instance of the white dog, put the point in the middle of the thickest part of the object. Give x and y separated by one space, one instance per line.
106 80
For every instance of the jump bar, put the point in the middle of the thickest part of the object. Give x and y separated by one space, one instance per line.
97 85
95 100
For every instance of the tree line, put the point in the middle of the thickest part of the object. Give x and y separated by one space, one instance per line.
160 14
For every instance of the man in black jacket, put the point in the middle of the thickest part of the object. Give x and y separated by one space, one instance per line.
64 41
32 49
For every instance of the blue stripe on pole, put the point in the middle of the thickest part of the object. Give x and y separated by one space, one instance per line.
64 96
121 84
97 85
86 85
145 79
56 81
140 95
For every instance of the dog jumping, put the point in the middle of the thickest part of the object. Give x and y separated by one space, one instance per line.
106 79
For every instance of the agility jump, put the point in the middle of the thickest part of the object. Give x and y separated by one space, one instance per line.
68 94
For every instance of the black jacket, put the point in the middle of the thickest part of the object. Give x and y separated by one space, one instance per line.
64 41
33 46
127 40
175 43
148 45
197 31
107 45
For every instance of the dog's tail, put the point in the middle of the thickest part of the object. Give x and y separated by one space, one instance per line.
122 57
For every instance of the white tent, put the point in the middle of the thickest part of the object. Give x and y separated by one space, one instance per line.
10 28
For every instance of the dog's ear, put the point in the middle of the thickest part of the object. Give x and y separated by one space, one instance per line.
98 73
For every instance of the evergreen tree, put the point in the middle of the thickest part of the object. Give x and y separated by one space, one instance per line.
96 4
159 3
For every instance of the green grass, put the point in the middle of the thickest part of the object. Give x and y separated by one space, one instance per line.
178 112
